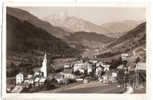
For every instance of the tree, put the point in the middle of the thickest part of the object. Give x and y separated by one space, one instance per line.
137 60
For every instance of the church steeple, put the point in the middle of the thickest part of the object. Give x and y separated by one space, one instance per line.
44 66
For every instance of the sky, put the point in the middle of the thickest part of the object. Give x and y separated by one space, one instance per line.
97 15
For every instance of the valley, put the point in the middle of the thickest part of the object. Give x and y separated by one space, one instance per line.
71 47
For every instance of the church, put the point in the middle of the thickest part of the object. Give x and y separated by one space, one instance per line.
43 69
38 78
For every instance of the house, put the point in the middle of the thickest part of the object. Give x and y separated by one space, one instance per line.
42 81
68 70
39 81
83 67
19 78
89 68
94 61
114 77
120 67
68 75
99 71
59 78
141 66
124 56
36 81
78 67
67 66
106 67
140 74
99 64
107 77
29 76
28 82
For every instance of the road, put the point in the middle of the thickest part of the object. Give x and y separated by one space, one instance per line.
107 88
17 89
91 87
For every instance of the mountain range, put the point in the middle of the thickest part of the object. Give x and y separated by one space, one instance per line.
68 30
133 39
121 27
74 24
26 16
60 32
22 36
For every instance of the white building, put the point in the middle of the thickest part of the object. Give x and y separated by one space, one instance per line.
106 67
98 71
89 68
44 66
124 56
68 75
66 66
99 64
78 66
42 81
19 78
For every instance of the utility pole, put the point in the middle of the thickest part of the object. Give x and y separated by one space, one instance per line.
125 69
137 73
137 76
